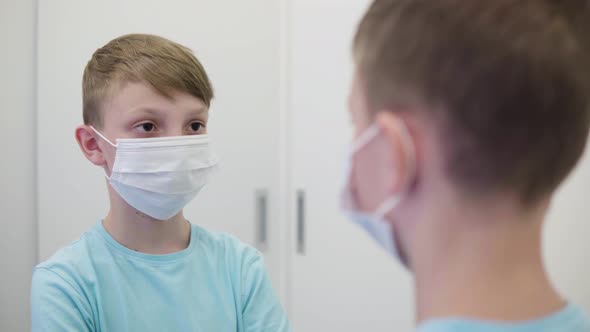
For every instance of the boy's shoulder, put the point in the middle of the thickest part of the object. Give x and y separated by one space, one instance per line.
572 318
223 243
71 261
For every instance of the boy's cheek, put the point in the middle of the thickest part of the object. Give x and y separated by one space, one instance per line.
106 156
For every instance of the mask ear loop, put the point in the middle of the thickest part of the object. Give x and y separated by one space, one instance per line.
108 141
387 206
364 139
410 154
102 136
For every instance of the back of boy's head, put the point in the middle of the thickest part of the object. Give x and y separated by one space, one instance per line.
165 65
506 81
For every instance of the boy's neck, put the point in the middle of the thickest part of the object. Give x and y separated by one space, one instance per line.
488 267
141 233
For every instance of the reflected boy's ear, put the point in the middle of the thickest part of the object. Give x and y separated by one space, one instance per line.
401 147
89 145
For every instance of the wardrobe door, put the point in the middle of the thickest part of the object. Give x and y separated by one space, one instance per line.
340 280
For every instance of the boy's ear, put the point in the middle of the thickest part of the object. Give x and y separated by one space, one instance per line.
89 145
402 148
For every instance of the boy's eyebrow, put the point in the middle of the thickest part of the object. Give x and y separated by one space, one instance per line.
149 110
199 110
158 111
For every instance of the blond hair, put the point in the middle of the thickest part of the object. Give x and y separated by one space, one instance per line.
164 64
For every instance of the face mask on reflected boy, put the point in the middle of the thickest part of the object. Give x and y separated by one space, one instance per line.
159 176
373 222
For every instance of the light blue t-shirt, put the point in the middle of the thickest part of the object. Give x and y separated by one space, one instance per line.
95 284
569 319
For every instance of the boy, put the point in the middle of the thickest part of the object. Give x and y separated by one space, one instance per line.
145 267
468 116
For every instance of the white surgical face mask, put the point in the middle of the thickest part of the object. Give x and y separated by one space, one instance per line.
159 176
373 222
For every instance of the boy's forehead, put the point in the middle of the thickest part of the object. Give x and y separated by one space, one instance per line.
128 93
133 96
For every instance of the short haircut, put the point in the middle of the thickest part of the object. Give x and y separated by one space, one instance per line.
161 63
507 82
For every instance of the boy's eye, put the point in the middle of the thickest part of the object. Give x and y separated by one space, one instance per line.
146 127
196 126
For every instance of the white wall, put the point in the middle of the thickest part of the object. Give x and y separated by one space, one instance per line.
17 166
567 249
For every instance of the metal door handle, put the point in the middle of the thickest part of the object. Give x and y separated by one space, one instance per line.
261 219
301 222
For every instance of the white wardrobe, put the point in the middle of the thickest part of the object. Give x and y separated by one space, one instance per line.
281 71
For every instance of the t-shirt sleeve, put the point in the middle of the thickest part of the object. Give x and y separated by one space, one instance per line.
56 305
262 311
